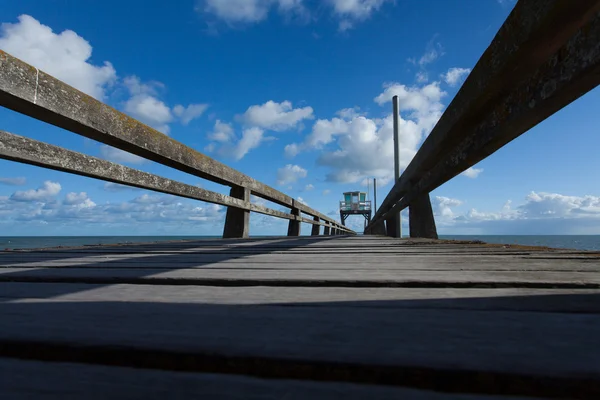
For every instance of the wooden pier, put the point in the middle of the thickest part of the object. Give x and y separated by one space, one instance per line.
332 315
348 317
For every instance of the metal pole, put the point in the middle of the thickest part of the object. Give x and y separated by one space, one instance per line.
397 218
374 195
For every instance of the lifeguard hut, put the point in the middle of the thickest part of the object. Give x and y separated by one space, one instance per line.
355 203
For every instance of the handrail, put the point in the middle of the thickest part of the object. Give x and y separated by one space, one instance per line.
32 92
545 55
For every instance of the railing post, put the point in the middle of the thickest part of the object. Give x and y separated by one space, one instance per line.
294 225
326 229
316 229
421 221
237 221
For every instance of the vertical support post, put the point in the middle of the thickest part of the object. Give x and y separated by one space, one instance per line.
396 231
326 229
237 221
379 228
316 229
294 225
421 221
391 226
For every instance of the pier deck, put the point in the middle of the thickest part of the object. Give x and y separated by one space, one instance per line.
304 317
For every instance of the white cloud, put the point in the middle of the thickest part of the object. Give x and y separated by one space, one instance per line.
46 192
145 106
553 205
290 173
472 172
251 139
309 187
455 75
19 181
119 156
147 212
65 55
189 113
223 132
351 11
227 144
442 206
361 147
541 213
249 11
349 113
301 200
326 192
276 116
422 77
244 12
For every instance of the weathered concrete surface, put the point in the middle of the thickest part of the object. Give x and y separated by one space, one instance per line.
326 230
27 90
237 221
421 221
546 55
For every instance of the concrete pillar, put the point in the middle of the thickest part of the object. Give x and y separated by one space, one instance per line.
294 225
237 221
326 230
316 229
421 221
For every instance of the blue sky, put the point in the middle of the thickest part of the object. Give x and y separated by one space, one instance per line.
295 93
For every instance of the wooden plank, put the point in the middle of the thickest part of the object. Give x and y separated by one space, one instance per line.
302 277
523 352
275 262
508 299
23 379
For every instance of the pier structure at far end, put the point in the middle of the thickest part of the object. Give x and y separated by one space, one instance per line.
355 203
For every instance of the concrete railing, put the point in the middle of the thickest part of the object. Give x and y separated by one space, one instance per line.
32 92
545 56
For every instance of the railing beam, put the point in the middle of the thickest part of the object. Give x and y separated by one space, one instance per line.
25 89
237 221
545 55
316 229
294 225
421 221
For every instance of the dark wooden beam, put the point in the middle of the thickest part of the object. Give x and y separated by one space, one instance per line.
546 55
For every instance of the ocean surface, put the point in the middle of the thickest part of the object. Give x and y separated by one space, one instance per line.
587 242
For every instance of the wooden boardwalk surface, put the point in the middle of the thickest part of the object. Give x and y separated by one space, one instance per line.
300 318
